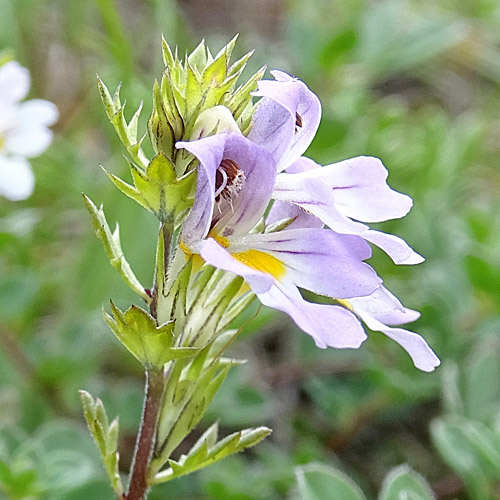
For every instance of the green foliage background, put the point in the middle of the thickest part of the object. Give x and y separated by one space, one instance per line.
414 82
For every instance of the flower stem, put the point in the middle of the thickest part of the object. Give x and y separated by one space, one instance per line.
154 390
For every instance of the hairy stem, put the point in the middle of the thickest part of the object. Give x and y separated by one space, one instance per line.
138 485
155 387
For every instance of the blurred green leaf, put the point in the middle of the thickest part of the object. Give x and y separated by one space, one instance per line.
468 448
482 383
18 290
403 483
319 482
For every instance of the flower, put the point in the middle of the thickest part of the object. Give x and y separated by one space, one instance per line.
237 179
234 187
342 195
23 131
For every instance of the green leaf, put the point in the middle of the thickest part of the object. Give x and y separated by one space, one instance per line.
403 483
319 482
193 92
157 189
240 64
172 295
112 247
468 448
126 132
134 122
105 437
239 101
215 73
206 319
161 125
107 100
207 451
168 58
198 58
152 345
171 95
190 391
482 384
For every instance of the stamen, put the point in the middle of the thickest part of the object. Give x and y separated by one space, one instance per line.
229 180
298 122
222 184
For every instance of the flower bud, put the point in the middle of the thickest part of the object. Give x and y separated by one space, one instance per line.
213 121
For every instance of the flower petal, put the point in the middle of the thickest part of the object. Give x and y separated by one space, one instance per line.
16 178
31 137
217 256
245 210
394 246
38 111
328 325
319 260
422 355
260 175
14 82
286 119
209 152
398 317
314 197
281 211
385 307
361 191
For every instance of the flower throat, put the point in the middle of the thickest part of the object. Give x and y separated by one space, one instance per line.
229 180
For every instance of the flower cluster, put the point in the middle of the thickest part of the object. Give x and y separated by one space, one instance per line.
24 131
282 222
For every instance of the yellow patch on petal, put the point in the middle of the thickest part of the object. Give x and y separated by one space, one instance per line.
184 248
223 242
261 261
197 260
345 303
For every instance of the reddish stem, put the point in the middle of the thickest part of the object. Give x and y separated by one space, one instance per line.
138 486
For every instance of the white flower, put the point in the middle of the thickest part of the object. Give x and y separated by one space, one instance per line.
24 131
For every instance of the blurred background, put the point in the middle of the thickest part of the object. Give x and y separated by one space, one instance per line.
414 82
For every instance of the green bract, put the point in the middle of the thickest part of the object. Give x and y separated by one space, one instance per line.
152 345
190 87
157 188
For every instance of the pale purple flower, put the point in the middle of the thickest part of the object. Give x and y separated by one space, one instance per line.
378 309
24 131
237 179
342 195
234 187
